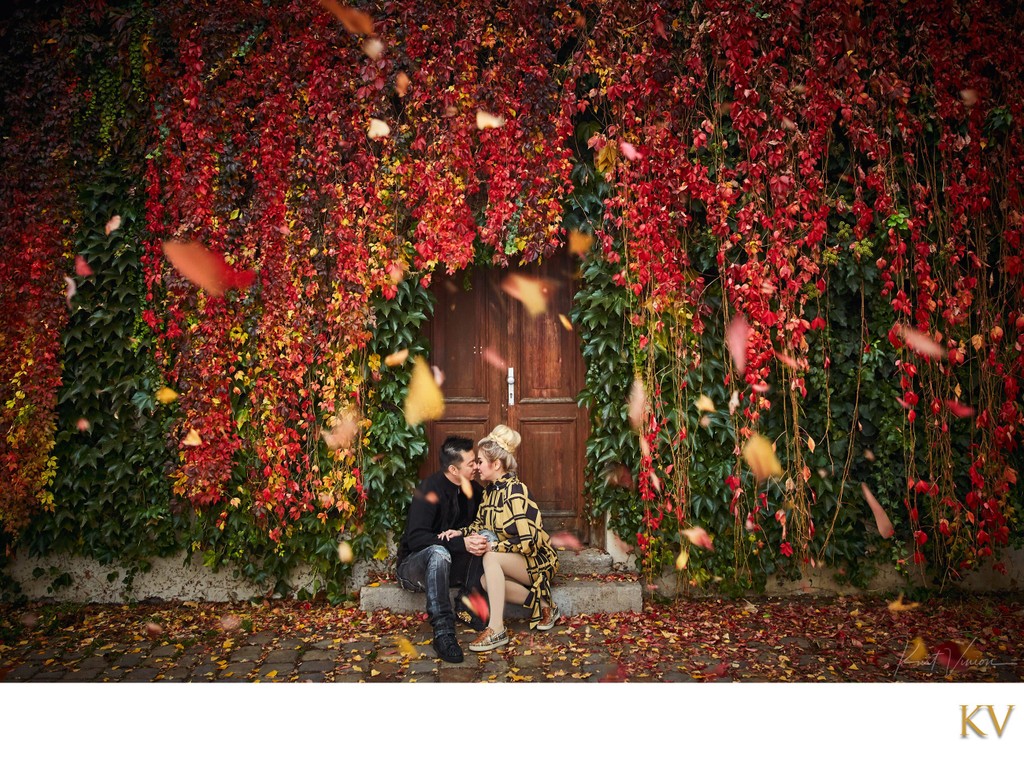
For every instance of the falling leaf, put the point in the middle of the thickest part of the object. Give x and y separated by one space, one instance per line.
113 225
565 540
734 402
153 630
916 651
637 402
69 289
406 648
166 395
438 375
527 290
343 433
761 388
486 120
788 124
345 553
683 559
619 475
761 459
424 400
30 620
192 439
565 322
899 606
698 537
82 268
373 47
378 129
736 337
402 83
786 359
969 97
491 357
958 409
230 622
885 528
810 444
201 266
580 243
921 343
476 602
354 21
948 655
869 455
628 151
83 425
705 404
396 272
397 358
466 486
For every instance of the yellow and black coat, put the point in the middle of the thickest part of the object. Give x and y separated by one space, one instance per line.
508 510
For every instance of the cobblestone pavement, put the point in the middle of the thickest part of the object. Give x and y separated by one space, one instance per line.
837 640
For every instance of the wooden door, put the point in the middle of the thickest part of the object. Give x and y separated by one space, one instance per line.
474 322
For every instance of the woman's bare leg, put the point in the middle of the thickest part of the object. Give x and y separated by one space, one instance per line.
505 576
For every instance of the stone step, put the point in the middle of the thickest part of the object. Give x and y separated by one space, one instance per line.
586 562
579 596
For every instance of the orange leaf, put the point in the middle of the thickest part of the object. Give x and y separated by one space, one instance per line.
406 648
373 47
192 439
113 224
698 537
491 357
201 266
580 243
82 268
343 433
354 21
916 651
885 528
530 291
397 358
424 400
466 486
637 402
402 83
565 322
899 606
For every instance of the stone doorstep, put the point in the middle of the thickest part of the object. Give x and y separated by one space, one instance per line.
577 597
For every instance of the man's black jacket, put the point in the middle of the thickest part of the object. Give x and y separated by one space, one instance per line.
438 505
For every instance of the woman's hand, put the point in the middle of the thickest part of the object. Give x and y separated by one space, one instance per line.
449 534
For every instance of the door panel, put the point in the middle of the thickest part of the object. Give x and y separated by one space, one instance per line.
548 369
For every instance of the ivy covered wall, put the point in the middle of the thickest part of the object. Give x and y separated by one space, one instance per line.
840 183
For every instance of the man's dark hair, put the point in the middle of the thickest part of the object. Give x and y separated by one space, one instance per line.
452 448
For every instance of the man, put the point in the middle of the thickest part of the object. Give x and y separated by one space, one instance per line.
428 560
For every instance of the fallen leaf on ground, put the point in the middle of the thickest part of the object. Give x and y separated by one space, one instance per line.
406 647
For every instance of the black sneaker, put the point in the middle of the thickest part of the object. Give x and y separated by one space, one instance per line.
447 647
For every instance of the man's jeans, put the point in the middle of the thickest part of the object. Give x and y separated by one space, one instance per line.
427 570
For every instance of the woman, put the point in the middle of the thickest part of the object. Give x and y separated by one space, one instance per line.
520 562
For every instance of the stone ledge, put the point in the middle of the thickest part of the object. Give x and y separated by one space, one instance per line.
578 597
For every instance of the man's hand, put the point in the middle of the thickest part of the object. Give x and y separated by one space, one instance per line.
477 545
448 534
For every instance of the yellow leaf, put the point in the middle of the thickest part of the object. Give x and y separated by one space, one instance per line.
424 400
486 120
917 651
374 672
761 458
580 242
565 322
899 606
705 404
378 129
165 395
406 647
682 559
192 439
399 357
345 552
606 157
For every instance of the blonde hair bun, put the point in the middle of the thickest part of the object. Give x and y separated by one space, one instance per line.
506 437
